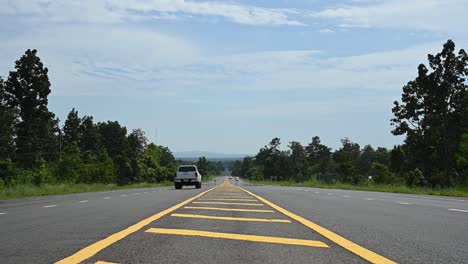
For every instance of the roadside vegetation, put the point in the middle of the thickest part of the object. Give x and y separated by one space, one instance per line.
39 156
433 117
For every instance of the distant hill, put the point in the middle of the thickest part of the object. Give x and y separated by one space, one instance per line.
192 155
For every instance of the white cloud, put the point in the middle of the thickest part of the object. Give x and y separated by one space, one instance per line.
112 11
432 15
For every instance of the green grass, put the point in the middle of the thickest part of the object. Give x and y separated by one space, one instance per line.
51 189
456 192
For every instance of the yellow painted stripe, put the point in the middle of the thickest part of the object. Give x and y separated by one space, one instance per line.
232 218
248 204
345 243
229 209
104 262
227 199
264 239
93 249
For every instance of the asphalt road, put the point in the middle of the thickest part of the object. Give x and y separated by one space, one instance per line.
227 224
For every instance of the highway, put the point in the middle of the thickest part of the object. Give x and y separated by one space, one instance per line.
232 222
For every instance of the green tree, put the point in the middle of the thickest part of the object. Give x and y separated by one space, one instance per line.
462 159
27 88
397 159
202 166
8 119
381 173
318 156
71 129
137 143
113 137
69 168
298 160
167 158
432 111
90 139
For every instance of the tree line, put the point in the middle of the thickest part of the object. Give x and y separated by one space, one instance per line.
34 149
433 117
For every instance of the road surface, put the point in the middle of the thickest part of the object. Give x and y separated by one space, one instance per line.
234 223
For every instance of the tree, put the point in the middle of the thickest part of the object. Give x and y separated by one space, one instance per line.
8 119
397 159
90 139
432 111
346 158
462 159
202 166
167 159
298 160
71 129
26 91
113 138
69 169
137 143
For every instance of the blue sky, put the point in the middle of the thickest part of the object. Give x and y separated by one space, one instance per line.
227 76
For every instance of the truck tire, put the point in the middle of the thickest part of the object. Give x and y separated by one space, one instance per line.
199 185
178 186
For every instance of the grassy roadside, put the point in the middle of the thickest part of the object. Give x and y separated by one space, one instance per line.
456 192
49 189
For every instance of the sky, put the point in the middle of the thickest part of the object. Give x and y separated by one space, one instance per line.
228 76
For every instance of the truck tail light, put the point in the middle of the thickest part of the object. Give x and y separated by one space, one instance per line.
195 173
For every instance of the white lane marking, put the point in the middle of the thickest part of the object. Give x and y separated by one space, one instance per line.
346 196
84 201
136 193
123 195
459 210
2 213
369 199
316 192
48 206
404 203
329 194
106 198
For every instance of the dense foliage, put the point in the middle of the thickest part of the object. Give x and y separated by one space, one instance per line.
433 114
34 149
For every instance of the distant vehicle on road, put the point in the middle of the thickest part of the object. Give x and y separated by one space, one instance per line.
187 175
237 178
230 177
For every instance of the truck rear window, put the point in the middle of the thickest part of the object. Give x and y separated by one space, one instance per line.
184 169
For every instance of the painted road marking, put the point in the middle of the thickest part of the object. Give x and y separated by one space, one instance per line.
2 213
48 206
369 199
105 262
459 210
232 218
316 192
106 198
329 194
265 239
93 249
123 195
405 203
84 201
229 209
248 204
345 243
228 199
346 196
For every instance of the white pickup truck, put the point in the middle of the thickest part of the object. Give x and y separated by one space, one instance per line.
187 175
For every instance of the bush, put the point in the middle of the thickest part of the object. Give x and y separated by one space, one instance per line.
381 174
415 178
7 172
